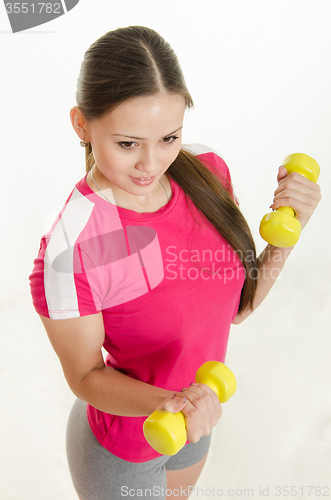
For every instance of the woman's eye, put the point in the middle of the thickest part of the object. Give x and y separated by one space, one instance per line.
169 139
126 144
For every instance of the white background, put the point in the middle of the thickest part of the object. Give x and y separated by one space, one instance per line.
260 75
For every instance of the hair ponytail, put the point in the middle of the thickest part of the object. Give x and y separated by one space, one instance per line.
210 196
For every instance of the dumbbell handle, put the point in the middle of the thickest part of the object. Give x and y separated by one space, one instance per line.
166 431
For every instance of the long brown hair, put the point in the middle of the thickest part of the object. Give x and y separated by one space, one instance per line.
136 61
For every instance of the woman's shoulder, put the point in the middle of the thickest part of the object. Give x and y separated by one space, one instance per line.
207 155
212 160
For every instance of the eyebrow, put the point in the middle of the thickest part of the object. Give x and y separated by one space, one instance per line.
141 138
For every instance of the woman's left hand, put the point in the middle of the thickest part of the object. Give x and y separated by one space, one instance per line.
297 192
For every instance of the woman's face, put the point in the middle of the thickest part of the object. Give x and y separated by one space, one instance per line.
134 144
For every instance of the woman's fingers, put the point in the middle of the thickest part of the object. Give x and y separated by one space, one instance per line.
298 183
174 403
202 411
201 392
299 193
201 408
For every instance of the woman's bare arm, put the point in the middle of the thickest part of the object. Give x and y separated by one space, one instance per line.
78 342
269 264
303 195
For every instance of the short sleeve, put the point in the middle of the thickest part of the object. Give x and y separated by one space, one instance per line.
63 283
60 286
89 262
213 160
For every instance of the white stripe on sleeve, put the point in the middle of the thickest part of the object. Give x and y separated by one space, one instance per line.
60 290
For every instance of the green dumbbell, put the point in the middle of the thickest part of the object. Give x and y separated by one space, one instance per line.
280 228
165 431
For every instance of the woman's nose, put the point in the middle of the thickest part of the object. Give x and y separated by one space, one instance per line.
147 163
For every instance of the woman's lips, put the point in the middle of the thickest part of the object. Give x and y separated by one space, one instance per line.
143 181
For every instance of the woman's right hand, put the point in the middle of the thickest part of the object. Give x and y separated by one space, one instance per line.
201 408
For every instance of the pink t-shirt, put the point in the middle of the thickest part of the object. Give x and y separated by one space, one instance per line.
167 283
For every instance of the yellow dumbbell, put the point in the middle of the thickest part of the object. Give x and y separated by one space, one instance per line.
165 431
280 228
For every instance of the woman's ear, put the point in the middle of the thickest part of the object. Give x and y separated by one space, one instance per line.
79 123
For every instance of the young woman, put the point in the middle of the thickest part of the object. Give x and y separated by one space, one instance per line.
152 259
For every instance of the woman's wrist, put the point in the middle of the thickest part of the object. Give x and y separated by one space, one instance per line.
113 392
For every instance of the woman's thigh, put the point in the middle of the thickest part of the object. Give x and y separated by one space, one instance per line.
180 483
184 468
99 475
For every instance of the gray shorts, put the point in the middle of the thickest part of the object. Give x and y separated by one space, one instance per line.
97 474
